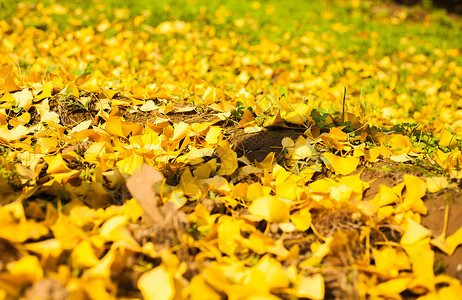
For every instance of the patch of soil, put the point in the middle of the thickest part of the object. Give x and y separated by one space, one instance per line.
174 116
141 117
436 203
49 288
34 116
256 146
80 148
390 173
72 115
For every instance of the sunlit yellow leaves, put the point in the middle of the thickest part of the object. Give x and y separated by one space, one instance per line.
273 271
15 227
402 144
58 168
302 220
341 165
447 138
181 129
20 120
84 255
296 150
213 135
453 241
115 230
243 78
311 287
28 268
389 261
271 209
385 196
131 161
103 267
228 159
114 104
414 233
319 250
14 134
46 91
415 186
229 235
238 282
116 126
209 95
434 184
199 289
67 233
9 83
300 114
391 288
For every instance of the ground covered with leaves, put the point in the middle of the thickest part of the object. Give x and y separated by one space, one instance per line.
238 151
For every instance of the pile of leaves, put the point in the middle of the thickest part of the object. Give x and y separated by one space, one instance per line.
195 159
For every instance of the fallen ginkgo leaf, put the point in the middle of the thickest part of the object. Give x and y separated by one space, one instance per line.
271 208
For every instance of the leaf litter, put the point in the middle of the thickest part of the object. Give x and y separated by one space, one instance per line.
172 162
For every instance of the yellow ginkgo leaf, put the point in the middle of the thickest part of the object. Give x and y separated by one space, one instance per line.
97 288
385 196
56 164
198 290
210 95
389 261
46 248
271 209
49 117
28 268
20 120
415 186
181 129
414 233
46 91
247 118
13 134
300 115
228 159
453 241
447 138
311 287
157 284
319 250
84 255
115 126
434 184
337 134
341 165
302 220
10 84
213 135
402 143
273 271
103 267
115 230
130 163
391 288
403 157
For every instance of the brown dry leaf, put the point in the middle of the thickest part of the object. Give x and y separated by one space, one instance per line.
140 185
